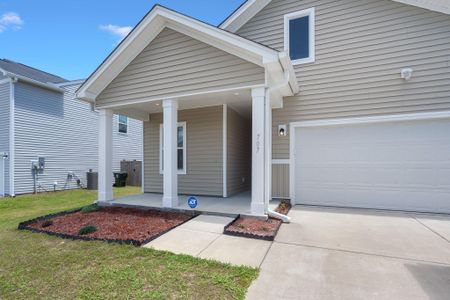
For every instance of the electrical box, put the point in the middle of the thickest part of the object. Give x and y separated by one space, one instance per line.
39 164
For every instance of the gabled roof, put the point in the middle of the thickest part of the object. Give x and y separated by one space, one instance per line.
251 7
148 29
29 72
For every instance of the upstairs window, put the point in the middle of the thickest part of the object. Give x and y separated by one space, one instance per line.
123 124
299 36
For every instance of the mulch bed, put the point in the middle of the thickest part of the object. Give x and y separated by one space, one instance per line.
256 228
120 225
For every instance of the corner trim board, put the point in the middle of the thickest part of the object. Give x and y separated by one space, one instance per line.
225 150
12 133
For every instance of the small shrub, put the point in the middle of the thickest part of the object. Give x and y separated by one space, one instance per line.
87 230
47 223
240 226
283 207
90 208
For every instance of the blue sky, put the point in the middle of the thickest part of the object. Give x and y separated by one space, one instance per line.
70 38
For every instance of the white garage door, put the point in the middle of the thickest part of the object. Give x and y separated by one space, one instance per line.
395 165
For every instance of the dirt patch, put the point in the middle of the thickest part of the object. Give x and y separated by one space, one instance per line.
132 226
257 228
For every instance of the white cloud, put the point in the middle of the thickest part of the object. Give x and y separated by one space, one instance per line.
10 20
118 31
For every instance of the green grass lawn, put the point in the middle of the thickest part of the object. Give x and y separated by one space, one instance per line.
37 266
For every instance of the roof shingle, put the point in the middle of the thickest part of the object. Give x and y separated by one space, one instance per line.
30 72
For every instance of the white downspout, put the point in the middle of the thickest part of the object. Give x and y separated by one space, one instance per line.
270 212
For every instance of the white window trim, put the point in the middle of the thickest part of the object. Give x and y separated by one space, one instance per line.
312 34
161 143
118 124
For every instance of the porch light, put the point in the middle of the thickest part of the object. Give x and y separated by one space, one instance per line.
282 130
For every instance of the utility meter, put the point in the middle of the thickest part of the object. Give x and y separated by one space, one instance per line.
39 164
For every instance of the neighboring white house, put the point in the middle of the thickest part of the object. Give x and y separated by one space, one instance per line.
347 103
40 118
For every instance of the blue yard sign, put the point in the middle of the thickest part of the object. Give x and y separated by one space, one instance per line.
192 202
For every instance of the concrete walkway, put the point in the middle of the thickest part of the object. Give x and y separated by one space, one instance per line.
357 254
202 237
332 254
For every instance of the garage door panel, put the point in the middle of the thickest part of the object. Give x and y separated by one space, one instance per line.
392 165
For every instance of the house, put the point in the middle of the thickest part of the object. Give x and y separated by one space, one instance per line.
334 103
47 141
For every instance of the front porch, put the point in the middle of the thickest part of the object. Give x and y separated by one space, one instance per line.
232 206
206 99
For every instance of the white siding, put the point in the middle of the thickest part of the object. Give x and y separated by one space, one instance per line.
127 146
4 128
57 127
175 64
64 130
361 47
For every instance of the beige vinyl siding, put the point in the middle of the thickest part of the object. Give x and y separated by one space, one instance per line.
175 64
280 181
204 152
238 153
361 47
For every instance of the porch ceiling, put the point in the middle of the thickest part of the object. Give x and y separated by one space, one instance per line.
239 100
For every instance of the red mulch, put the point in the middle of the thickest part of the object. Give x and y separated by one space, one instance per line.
257 227
116 223
253 226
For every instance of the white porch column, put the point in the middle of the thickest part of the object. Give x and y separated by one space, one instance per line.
105 156
170 124
268 153
258 150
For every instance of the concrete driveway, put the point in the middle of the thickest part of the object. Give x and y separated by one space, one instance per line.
357 254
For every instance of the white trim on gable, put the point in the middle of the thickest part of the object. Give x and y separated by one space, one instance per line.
152 24
244 13
252 7
442 6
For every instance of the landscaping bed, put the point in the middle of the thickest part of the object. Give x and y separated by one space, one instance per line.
111 224
36 266
256 228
